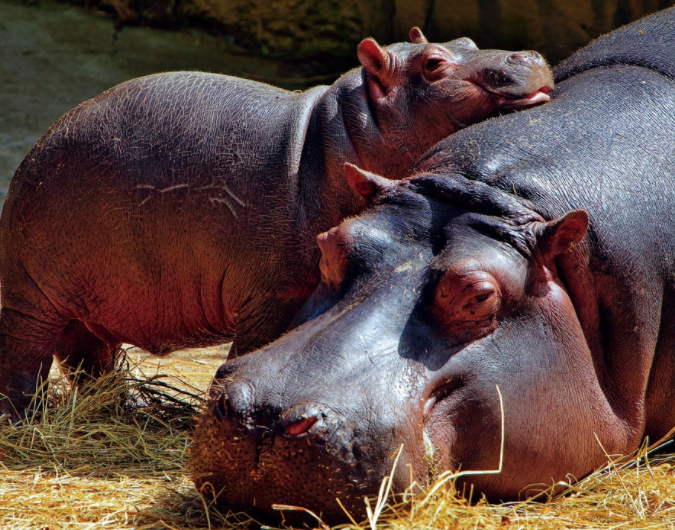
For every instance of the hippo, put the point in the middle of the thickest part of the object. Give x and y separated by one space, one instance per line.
531 256
181 209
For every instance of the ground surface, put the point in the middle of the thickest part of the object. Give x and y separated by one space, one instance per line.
92 461
54 56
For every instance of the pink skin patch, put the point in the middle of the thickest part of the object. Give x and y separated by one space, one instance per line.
333 263
506 102
300 427
540 96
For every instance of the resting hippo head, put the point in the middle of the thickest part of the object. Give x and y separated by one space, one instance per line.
428 301
468 85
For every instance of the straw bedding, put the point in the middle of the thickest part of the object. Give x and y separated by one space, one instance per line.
114 457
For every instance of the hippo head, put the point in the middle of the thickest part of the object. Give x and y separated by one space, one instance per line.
441 291
421 92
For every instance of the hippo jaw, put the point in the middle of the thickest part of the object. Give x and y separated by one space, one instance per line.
508 103
255 467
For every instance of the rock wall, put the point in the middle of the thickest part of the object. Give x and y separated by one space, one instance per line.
302 28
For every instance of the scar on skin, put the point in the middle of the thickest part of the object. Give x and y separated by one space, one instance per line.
405 267
226 203
176 187
234 197
227 190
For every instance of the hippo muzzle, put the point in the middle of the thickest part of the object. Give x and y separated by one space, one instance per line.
318 414
265 439
305 455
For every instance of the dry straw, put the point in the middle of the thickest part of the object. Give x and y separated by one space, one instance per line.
114 456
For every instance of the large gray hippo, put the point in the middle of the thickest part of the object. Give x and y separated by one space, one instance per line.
182 209
534 252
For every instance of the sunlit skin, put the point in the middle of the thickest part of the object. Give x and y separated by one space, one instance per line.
531 252
181 209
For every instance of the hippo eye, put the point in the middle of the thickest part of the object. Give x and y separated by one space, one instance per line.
433 63
481 305
435 66
466 305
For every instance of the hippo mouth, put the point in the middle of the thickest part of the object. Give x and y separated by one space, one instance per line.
250 458
538 97
507 102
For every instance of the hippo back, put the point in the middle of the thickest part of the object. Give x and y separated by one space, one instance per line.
604 144
649 42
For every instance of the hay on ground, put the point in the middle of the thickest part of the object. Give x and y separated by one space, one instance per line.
114 456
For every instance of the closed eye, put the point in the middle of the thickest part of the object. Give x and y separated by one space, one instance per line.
471 299
479 307
433 64
481 298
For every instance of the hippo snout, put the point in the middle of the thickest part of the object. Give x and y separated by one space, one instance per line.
235 405
528 57
251 452
235 401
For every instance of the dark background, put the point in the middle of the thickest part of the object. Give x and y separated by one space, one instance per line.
321 34
56 54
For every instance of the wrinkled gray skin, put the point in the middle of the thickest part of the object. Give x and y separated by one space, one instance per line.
181 209
461 279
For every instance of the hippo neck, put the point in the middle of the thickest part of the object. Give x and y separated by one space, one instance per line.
339 129
342 128
373 150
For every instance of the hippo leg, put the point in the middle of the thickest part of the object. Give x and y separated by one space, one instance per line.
80 351
26 346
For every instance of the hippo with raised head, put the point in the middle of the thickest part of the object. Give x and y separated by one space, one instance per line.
534 252
182 209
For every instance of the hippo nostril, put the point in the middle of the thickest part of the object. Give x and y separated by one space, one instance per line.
224 371
525 58
235 401
300 427
240 397
519 58
220 407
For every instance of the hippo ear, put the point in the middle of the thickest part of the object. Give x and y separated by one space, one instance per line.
417 37
374 59
364 183
560 235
